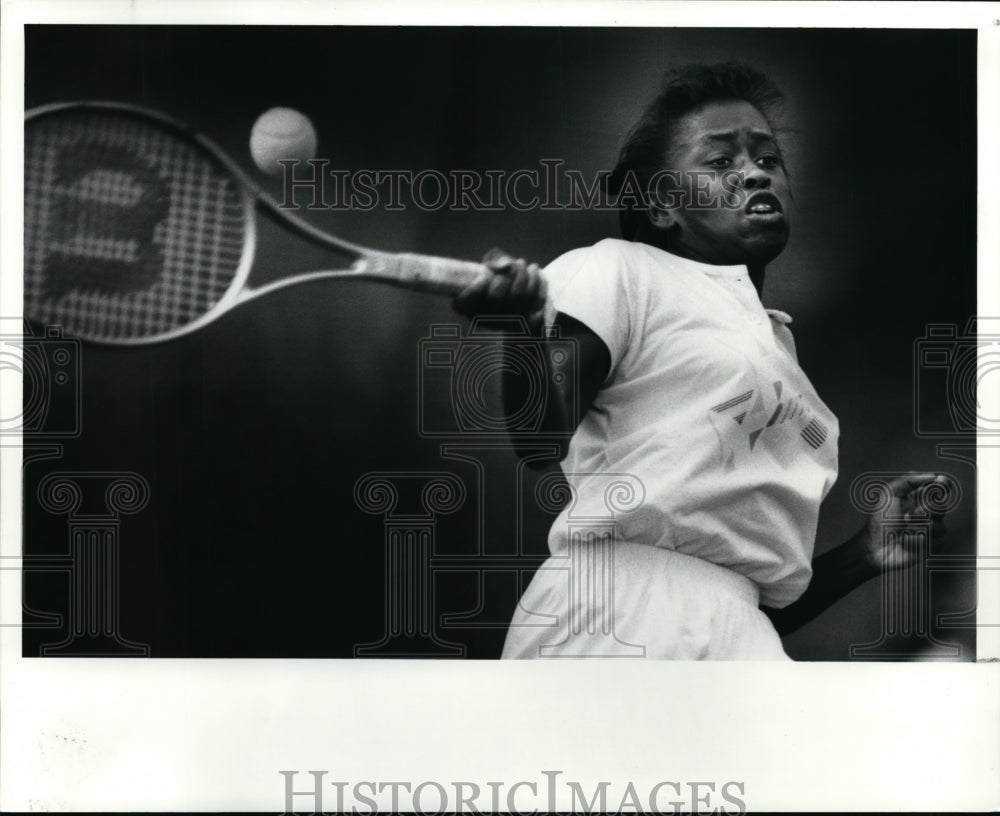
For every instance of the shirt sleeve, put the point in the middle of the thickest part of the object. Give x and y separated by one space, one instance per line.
593 285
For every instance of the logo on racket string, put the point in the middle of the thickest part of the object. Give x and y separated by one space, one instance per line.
131 231
106 203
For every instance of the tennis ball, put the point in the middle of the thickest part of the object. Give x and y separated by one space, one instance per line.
281 133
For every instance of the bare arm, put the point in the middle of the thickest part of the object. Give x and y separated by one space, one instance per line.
865 555
835 574
572 377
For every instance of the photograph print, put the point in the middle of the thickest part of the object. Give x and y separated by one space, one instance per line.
507 343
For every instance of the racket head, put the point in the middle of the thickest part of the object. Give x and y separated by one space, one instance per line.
136 228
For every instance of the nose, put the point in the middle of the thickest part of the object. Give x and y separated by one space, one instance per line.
755 177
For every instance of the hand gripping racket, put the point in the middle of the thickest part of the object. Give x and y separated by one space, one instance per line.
137 229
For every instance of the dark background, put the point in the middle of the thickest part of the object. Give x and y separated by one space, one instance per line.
253 431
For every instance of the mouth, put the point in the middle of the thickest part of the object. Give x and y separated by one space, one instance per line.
763 205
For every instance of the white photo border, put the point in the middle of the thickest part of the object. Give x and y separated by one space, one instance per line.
169 734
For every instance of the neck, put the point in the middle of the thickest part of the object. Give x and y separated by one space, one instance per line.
756 272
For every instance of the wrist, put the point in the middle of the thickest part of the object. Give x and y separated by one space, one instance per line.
863 559
536 323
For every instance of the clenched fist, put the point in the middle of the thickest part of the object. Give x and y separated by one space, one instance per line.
515 288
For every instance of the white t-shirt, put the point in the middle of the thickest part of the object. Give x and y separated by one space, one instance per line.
706 405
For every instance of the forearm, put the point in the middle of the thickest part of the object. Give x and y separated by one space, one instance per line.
835 574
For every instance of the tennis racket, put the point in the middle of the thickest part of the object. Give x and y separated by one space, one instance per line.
138 229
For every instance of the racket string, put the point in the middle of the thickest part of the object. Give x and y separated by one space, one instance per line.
130 231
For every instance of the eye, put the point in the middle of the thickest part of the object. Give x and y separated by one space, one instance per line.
719 161
769 161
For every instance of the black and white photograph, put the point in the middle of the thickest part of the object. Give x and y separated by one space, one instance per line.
376 386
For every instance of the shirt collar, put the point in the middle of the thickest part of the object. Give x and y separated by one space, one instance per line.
737 271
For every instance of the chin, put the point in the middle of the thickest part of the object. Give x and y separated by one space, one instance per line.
765 250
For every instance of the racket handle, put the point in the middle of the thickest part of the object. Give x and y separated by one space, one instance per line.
425 273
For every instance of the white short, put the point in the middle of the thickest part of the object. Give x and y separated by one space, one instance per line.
618 599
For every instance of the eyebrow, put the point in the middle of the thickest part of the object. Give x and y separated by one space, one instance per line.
730 135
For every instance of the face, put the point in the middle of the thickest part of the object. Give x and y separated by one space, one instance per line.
726 157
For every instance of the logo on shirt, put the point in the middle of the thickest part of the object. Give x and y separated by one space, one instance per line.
764 416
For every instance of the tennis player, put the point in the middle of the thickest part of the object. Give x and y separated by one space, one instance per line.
688 384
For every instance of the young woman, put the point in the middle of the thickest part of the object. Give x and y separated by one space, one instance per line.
690 390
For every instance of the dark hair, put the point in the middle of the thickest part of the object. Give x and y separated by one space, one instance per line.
683 90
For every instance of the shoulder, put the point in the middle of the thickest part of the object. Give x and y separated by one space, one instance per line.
601 286
613 261
612 249
607 251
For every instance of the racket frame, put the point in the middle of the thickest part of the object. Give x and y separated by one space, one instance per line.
369 264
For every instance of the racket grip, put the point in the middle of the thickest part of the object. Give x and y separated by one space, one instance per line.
425 273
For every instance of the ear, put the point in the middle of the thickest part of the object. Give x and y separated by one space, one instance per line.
662 212
661 219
